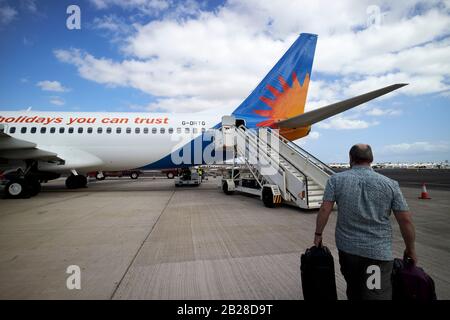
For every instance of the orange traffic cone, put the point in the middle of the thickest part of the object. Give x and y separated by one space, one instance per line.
424 195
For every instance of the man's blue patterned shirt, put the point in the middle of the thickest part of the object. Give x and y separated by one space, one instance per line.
365 200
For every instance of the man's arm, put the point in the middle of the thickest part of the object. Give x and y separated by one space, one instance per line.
322 219
405 222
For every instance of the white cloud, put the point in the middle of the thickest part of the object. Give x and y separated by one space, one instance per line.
343 123
417 84
54 86
113 25
110 22
29 5
383 112
216 58
312 136
179 75
363 52
147 6
168 9
27 42
57 101
7 14
322 93
429 59
188 104
416 148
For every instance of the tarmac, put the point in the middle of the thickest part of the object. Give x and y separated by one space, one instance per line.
146 239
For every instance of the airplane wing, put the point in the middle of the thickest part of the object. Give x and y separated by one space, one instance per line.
17 149
311 117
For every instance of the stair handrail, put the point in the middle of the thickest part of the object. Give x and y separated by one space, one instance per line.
308 156
257 138
249 133
241 132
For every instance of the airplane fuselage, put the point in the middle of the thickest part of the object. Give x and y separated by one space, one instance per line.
91 141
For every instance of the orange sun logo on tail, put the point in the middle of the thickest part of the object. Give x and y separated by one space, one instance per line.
287 103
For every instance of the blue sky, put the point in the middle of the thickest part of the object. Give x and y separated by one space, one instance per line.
189 56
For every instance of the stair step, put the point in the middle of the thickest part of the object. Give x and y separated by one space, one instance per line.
315 192
315 198
314 205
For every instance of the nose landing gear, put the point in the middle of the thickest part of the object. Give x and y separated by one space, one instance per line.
76 181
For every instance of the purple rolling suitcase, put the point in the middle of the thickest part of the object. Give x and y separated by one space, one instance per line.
411 283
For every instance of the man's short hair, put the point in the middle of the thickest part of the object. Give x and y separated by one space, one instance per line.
361 153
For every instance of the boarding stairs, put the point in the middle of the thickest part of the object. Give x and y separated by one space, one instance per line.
275 161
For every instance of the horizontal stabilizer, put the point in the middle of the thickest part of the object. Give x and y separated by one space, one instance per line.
311 117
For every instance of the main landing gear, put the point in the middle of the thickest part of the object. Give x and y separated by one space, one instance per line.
23 184
21 187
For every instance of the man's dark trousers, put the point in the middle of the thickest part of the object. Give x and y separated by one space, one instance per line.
354 269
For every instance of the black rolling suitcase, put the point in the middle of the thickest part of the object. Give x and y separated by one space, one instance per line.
317 273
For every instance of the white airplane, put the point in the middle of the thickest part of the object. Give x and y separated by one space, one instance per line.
40 146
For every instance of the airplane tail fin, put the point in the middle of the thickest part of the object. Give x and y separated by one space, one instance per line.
282 93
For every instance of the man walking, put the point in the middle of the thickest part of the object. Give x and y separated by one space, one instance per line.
365 200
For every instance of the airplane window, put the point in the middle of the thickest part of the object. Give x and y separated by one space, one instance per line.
43 129
194 130
170 130
153 130
146 130
23 130
61 130
203 130
128 130
108 130
186 130
52 130
99 130
162 130
89 130
80 130
12 130
33 130
70 130
137 130
178 130
118 130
